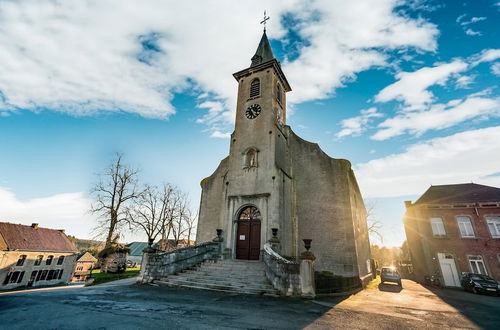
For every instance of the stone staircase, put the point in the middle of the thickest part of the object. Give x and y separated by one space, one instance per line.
234 276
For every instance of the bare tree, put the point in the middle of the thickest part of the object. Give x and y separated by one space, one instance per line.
116 187
148 212
170 198
191 222
374 225
179 227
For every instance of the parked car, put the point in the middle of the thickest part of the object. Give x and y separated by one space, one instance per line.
478 283
390 274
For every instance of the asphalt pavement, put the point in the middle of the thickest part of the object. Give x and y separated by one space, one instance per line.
125 305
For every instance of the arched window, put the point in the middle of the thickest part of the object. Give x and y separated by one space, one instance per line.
255 88
278 93
249 213
250 158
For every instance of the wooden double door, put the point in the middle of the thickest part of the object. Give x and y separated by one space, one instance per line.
248 234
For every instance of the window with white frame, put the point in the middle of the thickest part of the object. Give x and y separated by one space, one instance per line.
477 265
465 226
437 227
494 226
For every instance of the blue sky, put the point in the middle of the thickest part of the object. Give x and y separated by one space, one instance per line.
406 90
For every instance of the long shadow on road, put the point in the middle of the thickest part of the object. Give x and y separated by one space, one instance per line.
149 307
390 288
482 310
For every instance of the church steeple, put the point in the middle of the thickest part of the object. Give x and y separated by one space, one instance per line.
264 52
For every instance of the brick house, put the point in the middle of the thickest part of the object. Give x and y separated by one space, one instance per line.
83 266
452 229
32 256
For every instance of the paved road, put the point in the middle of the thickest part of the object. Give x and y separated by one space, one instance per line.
416 306
122 305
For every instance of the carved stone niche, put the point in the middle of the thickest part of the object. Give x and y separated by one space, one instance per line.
250 158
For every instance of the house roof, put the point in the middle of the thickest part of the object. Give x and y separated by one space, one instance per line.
87 257
34 238
136 248
459 193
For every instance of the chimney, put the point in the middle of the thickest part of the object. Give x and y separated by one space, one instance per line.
407 204
61 230
34 225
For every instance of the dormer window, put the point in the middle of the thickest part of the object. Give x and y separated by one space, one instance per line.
255 88
256 60
278 93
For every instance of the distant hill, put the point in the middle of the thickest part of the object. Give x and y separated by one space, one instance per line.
87 245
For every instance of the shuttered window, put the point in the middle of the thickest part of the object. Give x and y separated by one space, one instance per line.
255 88
278 93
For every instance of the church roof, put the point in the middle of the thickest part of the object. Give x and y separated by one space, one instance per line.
264 52
33 238
459 193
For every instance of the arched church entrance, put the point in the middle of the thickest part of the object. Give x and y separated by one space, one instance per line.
248 234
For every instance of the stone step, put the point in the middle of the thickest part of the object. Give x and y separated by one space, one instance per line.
235 265
217 277
215 287
239 285
228 272
235 276
220 280
195 287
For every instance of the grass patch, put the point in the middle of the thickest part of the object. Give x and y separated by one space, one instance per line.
100 278
374 283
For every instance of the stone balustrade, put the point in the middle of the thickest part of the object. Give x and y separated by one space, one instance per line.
158 265
284 274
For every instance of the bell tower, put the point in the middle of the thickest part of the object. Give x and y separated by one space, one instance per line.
261 104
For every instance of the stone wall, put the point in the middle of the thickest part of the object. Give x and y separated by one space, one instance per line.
212 202
157 266
328 208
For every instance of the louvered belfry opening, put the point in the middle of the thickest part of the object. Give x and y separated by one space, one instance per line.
255 88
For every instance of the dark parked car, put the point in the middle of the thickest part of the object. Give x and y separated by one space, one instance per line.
390 274
478 283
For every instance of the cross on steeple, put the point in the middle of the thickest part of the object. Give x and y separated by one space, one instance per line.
264 21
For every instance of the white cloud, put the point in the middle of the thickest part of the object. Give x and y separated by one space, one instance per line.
487 55
495 68
439 116
462 157
464 23
359 124
218 134
411 87
471 21
464 81
471 32
63 211
346 37
81 57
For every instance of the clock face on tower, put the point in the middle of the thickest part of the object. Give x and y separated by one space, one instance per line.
253 111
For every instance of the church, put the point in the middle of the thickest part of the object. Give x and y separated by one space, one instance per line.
272 180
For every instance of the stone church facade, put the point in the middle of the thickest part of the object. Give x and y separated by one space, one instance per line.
274 179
